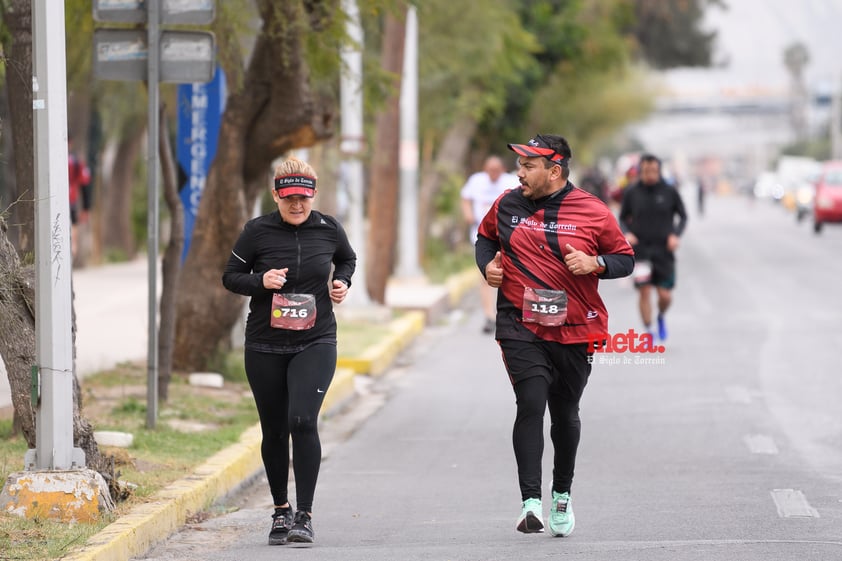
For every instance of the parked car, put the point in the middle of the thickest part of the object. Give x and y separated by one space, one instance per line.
827 203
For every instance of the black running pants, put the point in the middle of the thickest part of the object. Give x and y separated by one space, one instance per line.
552 376
288 390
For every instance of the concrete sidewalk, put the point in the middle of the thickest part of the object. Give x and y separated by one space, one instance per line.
112 314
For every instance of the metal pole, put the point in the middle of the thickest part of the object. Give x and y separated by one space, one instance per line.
53 324
836 121
352 144
152 26
408 263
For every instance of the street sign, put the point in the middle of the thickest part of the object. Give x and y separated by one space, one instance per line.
185 56
185 12
200 108
154 56
120 54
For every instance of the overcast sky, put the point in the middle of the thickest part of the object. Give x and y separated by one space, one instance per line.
752 37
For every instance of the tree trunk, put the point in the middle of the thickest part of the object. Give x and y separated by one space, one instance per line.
271 110
449 160
17 17
171 264
17 347
385 180
17 332
117 233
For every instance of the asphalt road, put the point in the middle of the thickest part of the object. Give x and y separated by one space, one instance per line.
728 448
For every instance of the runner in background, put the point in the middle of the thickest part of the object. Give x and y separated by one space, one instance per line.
648 216
79 188
478 194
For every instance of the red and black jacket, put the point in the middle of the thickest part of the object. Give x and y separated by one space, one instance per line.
531 236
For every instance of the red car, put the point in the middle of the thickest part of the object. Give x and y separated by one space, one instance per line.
827 204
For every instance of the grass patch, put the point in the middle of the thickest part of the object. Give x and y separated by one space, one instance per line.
192 425
353 337
442 261
41 540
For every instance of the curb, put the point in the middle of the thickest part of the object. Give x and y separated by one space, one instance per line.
376 359
459 284
135 533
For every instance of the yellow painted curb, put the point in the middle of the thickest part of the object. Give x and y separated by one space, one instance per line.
457 285
135 533
376 359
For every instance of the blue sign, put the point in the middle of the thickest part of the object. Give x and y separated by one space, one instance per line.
200 108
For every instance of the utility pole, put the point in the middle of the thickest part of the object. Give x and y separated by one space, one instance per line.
352 144
53 324
408 260
836 121
55 484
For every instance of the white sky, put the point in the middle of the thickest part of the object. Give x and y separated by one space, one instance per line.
752 37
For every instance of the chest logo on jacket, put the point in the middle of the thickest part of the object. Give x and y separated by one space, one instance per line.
538 225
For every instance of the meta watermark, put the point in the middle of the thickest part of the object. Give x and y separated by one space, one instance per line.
624 348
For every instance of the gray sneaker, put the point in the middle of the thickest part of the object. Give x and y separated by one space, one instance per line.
281 524
302 529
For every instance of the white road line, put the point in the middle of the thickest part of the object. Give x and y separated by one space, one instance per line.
760 444
793 504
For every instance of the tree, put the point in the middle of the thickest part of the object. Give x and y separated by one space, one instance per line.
383 198
171 262
275 105
668 32
17 347
20 192
796 57
17 292
463 82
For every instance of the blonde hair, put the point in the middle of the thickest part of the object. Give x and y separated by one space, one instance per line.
294 166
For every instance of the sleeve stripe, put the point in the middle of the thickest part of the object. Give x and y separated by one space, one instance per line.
237 256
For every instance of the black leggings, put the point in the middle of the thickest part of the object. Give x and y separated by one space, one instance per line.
288 390
546 375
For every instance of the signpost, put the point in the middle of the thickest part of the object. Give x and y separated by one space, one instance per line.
154 56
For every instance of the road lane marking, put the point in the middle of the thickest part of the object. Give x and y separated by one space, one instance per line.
793 504
760 444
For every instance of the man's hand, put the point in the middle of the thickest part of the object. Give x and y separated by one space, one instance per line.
494 271
579 262
673 242
631 238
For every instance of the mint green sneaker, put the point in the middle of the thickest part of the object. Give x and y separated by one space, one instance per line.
530 520
561 515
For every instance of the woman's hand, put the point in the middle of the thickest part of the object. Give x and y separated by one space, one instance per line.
338 292
273 279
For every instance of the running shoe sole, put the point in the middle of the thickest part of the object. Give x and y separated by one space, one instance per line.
530 524
298 537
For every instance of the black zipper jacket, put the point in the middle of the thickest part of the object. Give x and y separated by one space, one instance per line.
310 251
649 212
